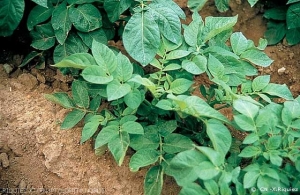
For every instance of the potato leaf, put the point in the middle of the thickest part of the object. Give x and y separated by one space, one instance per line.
61 23
11 13
72 119
141 37
153 181
85 17
143 158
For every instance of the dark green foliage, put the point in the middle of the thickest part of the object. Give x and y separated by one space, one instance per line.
174 132
11 13
284 22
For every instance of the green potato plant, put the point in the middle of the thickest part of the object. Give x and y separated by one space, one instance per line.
283 22
283 18
65 27
173 132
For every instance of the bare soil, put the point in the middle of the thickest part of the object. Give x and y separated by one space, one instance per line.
36 155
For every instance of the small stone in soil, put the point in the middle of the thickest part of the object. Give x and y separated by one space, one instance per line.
281 70
8 69
4 160
95 185
22 184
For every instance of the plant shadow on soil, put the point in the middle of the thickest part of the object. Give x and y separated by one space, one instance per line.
37 155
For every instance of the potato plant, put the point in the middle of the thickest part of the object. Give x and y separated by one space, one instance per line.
283 22
155 114
283 18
